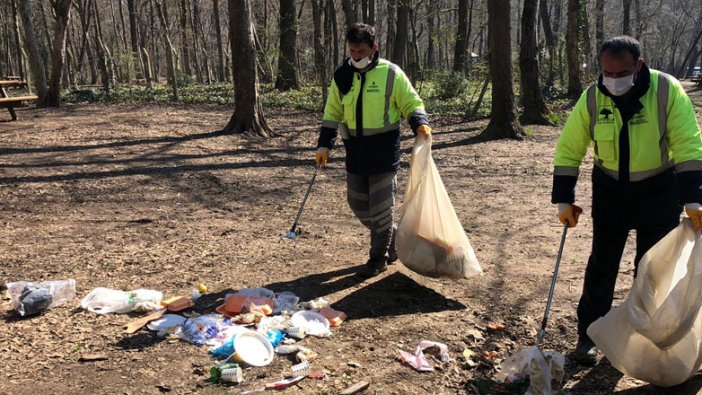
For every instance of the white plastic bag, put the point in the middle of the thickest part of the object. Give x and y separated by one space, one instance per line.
430 239
545 370
105 300
29 298
655 334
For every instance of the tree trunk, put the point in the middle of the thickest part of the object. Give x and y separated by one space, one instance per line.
584 37
170 50
18 44
287 70
104 55
221 75
184 37
535 111
400 41
681 70
196 44
319 61
459 53
45 21
503 118
550 39
371 12
30 42
392 27
573 55
599 24
349 12
62 9
626 17
430 60
134 33
248 112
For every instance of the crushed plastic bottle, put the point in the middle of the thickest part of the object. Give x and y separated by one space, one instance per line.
30 299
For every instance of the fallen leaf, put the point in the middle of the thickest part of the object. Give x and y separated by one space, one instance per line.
490 354
496 326
475 334
468 354
93 357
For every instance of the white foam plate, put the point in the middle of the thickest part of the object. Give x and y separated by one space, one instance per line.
315 323
253 348
165 322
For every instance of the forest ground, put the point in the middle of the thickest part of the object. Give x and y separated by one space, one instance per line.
133 196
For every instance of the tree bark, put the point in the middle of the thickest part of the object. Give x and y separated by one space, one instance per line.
349 12
503 118
104 55
626 17
584 37
35 62
134 33
221 74
550 39
599 24
681 70
62 9
18 42
319 61
196 43
430 60
371 12
459 53
184 37
248 112
400 42
287 65
391 32
535 111
572 53
170 50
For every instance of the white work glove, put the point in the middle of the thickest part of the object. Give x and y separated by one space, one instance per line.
694 211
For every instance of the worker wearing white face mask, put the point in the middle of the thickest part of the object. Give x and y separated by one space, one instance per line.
647 153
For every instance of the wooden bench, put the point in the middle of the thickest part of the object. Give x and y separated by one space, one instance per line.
6 101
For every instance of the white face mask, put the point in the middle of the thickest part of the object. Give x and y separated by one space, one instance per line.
618 86
360 64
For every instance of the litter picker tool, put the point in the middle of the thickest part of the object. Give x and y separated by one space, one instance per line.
576 212
294 230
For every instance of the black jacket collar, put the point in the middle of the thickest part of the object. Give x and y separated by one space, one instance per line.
343 76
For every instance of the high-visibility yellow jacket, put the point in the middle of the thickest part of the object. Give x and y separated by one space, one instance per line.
368 115
662 134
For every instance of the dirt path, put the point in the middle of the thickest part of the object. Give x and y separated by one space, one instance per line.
148 196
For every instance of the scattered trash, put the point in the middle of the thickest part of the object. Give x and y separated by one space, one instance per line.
318 303
496 326
305 354
285 302
202 288
253 349
140 322
278 385
355 389
301 369
544 370
418 361
177 303
468 356
335 317
30 299
241 303
227 372
105 300
490 355
475 334
165 322
275 336
314 323
298 332
198 330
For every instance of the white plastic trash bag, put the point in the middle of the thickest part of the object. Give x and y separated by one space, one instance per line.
655 334
430 239
106 300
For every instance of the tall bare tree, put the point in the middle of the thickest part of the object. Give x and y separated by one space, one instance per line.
459 53
319 61
170 50
572 50
287 70
221 75
62 10
35 60
399 51
248 112
503 117
18 46
626 17
535 110
185 38
599 23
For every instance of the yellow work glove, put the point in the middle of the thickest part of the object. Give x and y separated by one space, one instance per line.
569 213
694 211
322 156
424 130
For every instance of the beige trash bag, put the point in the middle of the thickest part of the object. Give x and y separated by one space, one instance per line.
430 239
656 334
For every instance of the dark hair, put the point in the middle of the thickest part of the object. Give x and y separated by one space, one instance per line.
617 46
360 33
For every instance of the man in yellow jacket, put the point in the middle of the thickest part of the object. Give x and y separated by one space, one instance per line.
367 99
648 163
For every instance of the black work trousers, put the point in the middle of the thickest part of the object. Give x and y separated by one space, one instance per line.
651 207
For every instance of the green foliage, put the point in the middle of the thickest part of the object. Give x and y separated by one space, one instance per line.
449 84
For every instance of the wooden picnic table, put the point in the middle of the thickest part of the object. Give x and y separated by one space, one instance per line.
17 101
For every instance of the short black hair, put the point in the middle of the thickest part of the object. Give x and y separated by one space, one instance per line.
360 33
619 45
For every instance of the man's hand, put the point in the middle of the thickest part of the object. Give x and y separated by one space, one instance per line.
424 130
322 156
694 211
568 214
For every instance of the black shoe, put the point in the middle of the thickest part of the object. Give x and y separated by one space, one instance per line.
372 268
392 256
585 352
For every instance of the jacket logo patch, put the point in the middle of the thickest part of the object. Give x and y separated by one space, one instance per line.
638 119
373 88
605 115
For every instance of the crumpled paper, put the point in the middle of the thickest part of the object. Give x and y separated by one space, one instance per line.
418 361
